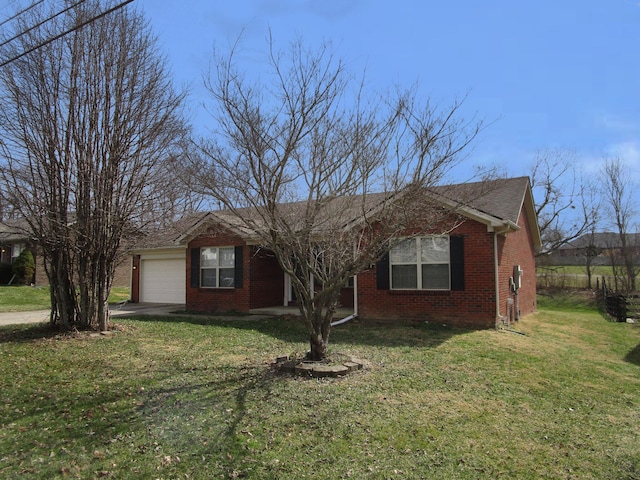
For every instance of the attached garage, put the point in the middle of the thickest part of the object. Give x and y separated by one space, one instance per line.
161 277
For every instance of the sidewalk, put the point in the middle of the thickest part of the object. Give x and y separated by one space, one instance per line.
128 309
39 316
13 318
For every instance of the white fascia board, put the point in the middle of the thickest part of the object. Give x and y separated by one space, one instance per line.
194 228
161 252
210 219
494 224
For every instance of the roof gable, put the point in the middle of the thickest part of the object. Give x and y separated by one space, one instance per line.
14 230
498 203
501 198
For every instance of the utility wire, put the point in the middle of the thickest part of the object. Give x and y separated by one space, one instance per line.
60 35
21 12
42 22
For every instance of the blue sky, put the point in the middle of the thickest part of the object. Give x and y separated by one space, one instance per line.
547 74
551 74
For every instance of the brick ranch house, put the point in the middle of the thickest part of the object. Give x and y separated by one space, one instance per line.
482 274
13 240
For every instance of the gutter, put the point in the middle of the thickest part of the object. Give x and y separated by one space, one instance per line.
508 226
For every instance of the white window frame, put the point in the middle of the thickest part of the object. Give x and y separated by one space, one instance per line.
418 261
215 266
16 250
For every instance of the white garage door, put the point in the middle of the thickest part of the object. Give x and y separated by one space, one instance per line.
163 280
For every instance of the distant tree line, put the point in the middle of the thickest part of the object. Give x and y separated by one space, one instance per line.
592 219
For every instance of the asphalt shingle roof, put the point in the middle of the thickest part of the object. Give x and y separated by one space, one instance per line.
500 198
14 230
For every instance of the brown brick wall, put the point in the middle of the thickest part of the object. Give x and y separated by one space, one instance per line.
517 249
475 306
122 276
346 297
266 279
134 295
218 299
41 274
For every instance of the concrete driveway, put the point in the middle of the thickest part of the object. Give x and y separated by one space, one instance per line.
38 316
12 318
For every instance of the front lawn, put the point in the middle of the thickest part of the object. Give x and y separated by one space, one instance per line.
196 398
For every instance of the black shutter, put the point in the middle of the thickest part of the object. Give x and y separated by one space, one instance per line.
195 267
238 267
382 273
456 252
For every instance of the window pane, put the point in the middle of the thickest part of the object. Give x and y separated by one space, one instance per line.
404 252
404 276
434 249
435 277
208 277
208 257
226 277
227 256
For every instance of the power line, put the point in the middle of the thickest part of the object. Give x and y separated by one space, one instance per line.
42 22
60 35
21 12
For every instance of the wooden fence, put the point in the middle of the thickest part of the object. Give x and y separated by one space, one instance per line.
619 307
570 280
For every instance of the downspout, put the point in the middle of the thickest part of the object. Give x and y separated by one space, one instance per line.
355 305
287 290
508 225
497 278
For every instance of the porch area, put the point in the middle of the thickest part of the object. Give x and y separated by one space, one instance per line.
295 311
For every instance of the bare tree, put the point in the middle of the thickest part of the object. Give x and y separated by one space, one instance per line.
565 204
297 162
174 193
87 123
590 252
622 209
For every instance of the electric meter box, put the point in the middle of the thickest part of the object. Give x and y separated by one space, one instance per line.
517 276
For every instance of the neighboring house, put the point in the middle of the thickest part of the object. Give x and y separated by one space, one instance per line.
13 240
471 280
599 248
15 237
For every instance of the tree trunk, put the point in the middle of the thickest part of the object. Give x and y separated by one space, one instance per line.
319 349
324 307
63 296
103 306
90 126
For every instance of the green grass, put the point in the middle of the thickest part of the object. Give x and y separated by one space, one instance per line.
572 276
196 399
575 269
25 298
572 300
